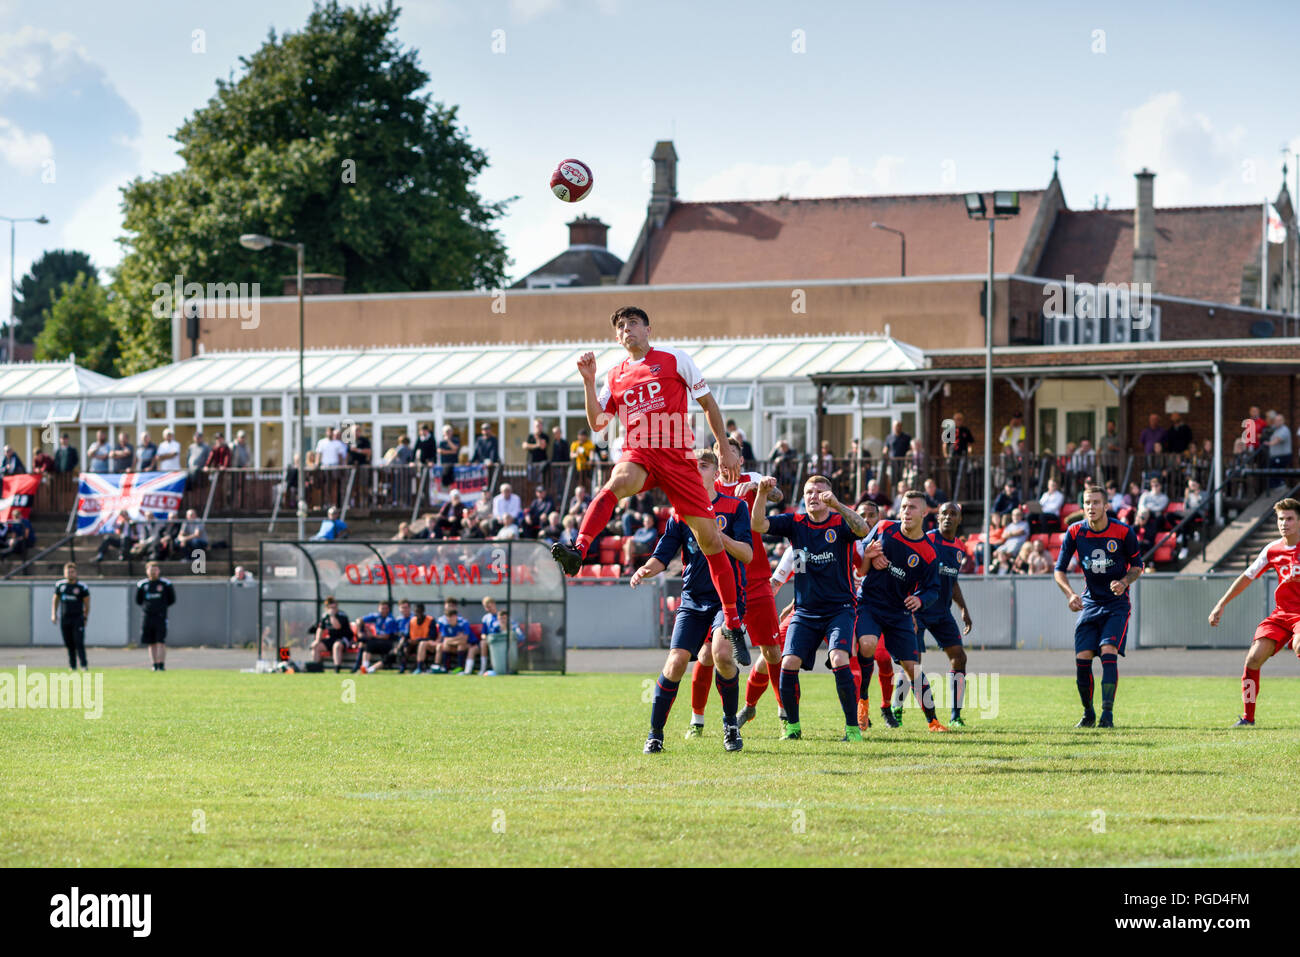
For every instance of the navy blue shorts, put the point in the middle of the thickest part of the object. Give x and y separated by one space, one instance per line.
806 634
944 629
894 628
1102 625
692 628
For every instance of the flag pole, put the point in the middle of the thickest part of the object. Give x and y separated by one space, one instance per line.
1263 259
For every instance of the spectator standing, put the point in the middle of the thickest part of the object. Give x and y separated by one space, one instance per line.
197 456
583 455
486 451
961 438
426 446
559 447
1152 435
65 457
404 455
1279 446
448 455
146 454
168 456
899 442
41 462
218 455
536 448
1012 434
1110 442
1178 437
360 452
1252 429
330 451
241 456
121 455
10 463
98 453
1083 463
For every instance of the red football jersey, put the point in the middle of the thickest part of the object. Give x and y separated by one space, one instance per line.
651 397
1285 560
758 572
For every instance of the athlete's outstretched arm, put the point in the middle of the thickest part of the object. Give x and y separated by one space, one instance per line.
1239 585
653 567
856 523
729 462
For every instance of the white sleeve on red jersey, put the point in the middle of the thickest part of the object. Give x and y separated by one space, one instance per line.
1260 563
696 387
605 392
785 567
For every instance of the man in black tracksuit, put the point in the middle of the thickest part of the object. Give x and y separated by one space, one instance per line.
155 594
74 598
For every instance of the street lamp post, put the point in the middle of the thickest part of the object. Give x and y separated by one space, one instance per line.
1005 206
258 242
9 356
902 267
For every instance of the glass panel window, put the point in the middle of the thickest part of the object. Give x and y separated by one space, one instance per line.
735 396
485 401
12 412
839 395
184 409
121 410
271 406
904 393
574 400
453 402
805 394
329 405
358 404
390 405
241 408
65 410
420 401
155 409
37 411
517 402
214 408
548 400
773 396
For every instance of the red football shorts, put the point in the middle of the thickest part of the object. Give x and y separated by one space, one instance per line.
1283 629
676 472
761 623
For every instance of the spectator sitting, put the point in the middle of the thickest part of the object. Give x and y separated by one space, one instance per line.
896 505
97 455
421 635
637 506
65 456
1052 501
1075 512
509 529
552 530
429 528
1115 497
541 506
403 532
149 536
1021 564
219 455
146 454
570 533
333 634
578 504
192 533
486 451
1145 527
640 544
874 494
1008 499
242 577
506 503
1015 534
1001 563
168 456
10 463
331 527
784 462
17 537
118 536
451 515
122 455
1154 502
1040 562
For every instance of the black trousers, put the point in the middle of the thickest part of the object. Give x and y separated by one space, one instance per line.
74 639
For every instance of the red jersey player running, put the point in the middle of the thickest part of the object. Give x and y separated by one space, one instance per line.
1282 628
648 393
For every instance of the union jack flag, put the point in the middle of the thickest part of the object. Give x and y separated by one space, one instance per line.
147 496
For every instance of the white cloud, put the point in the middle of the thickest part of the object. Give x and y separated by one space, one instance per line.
33 60
522 11
801 180
24 151
96 223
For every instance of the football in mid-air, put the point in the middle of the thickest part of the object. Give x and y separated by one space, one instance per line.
571 180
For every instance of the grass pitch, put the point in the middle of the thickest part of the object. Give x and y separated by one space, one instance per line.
214 768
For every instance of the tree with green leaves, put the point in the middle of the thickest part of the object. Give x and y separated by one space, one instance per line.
327 139
77 323
37 289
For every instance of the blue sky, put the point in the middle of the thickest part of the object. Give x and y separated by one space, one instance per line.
883 98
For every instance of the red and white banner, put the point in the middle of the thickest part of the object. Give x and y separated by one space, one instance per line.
17 495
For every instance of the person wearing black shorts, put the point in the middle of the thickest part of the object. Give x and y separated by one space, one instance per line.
74 598
155 595
332 634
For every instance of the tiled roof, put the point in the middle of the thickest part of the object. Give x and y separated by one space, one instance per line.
586 264
1200 250
755 240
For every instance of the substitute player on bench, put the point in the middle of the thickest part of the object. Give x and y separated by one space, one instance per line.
74 598
1282 628
700 611
648 392
902 580
823 593
1111 559
938 617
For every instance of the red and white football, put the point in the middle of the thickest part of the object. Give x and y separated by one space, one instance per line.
571 180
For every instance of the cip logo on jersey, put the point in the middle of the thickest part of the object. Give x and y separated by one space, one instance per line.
642 394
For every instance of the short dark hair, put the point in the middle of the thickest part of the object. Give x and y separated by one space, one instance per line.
628 312
1288 505
1091 489
914 493
707 455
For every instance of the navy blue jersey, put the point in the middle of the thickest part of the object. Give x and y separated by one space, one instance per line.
1104 556
913 570
823 564
732 516
950 557
155 598
70 595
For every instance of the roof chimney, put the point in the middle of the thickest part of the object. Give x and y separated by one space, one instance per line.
664 190
1144 229
587 231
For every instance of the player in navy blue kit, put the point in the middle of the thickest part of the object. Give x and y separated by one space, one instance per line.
823 593
700 613
938 617
154 594
1111 559
73 598
903 580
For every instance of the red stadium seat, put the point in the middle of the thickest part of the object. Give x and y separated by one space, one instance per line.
477 629
609 571
1043 537
609 551
1054 541
1175 507
589 571
533 636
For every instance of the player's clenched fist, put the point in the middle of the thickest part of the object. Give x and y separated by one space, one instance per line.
1076 603
587 366
766 484
1118 587
875 553
1216 615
